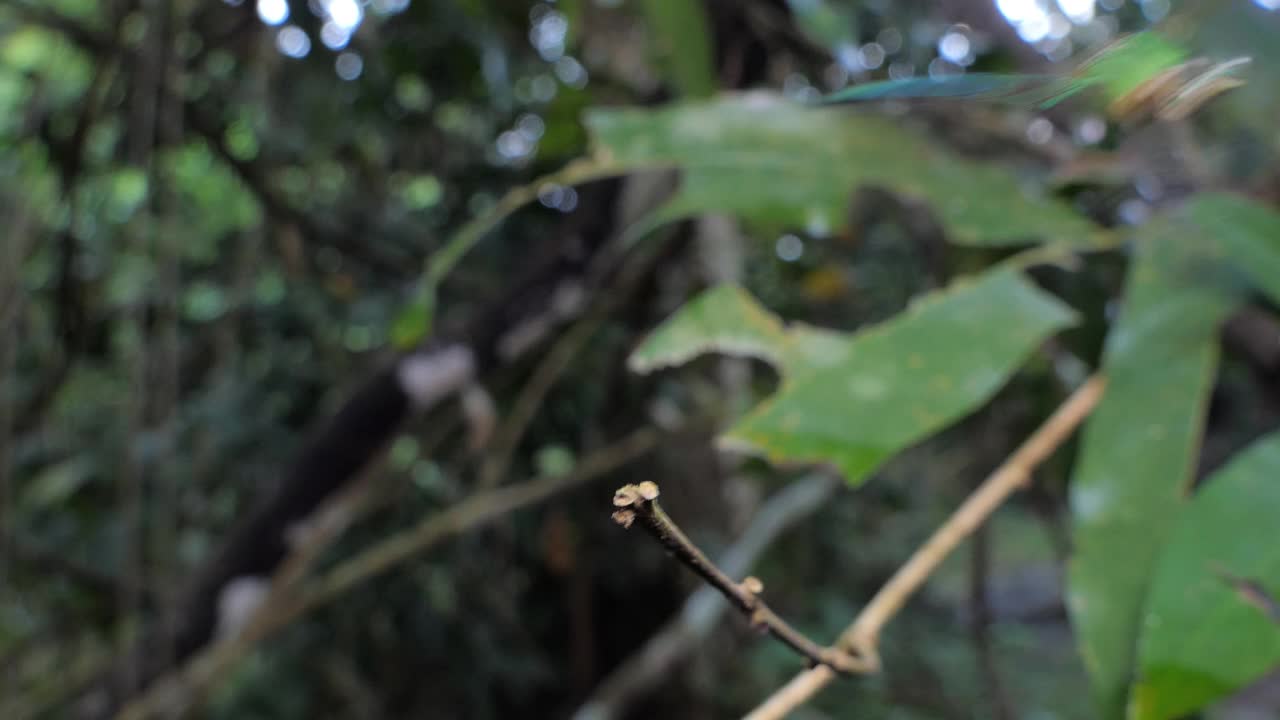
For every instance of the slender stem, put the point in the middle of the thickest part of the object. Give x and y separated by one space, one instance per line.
650 665
862 636
640 505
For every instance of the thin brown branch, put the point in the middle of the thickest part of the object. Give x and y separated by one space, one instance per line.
638 503
863 635
652 664
290 598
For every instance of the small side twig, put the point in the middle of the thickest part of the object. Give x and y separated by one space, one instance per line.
638 503
863 635
650 665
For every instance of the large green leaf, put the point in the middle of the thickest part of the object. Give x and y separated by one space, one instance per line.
855 401
1209 626
1139 448
1247 232
787 165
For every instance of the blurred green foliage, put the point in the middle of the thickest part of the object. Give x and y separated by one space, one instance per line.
214 233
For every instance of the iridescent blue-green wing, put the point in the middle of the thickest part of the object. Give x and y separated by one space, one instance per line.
1039 91
1121 69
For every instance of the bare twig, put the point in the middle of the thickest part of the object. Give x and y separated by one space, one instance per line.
639 503
702 611
863 635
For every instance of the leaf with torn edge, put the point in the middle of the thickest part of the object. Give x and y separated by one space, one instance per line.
780 164
1212 623
727 320
856 400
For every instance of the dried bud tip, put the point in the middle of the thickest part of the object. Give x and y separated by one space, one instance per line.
625 496
629 495
753 585
624 517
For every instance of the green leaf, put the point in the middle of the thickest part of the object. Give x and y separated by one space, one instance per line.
855 401
214 199
129 189
421 192
554 460
1139 448
786 165
1129 62
1248 233
680 36
725 319
412 324
204 302
1211 624
64 70
56 484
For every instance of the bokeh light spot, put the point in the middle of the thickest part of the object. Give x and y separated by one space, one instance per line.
293 41
334 36
954 47
789 248
273 12
871 56
1039 131
345 13
349 65
1078 11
